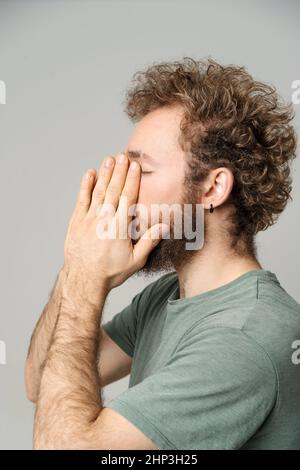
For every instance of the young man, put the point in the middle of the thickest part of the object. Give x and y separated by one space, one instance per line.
211 347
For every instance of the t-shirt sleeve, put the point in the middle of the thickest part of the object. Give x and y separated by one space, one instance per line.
122 328
214 392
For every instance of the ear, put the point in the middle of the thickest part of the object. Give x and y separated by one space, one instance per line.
217 187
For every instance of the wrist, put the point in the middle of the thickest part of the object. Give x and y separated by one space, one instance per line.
62 275
79 290
64 271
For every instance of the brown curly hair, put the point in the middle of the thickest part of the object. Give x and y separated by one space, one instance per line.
229 120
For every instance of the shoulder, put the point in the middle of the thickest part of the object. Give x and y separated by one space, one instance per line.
274 316
231 354
265 310
270 292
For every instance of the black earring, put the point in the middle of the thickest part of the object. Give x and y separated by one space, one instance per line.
211 208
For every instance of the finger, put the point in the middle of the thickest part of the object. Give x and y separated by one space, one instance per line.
85 192
117 181
104 176
148 241
130 192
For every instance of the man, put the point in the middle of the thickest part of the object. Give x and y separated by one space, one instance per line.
211 345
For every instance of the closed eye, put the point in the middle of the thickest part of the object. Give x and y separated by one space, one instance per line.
146 172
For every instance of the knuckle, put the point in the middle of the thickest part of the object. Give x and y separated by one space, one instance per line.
82 199
82 203
99 193
112 190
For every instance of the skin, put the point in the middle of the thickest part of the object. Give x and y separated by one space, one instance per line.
64 353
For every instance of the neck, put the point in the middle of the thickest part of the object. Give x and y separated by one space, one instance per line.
212 267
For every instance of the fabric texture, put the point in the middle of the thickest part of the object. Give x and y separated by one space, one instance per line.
215 370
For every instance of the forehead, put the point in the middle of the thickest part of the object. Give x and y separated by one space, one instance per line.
157 133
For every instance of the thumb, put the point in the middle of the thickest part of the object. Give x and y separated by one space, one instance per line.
149 240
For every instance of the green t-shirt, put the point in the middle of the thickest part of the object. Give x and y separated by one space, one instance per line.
219 370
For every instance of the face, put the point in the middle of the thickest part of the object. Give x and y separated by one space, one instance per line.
163 163
154 144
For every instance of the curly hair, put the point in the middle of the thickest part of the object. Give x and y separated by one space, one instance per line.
229 120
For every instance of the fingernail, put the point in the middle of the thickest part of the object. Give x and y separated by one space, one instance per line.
108 162
89 175
121 158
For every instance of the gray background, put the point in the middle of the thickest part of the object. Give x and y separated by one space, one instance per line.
66 65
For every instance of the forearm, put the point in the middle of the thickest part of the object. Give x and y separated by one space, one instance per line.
69 412
70 398
41 338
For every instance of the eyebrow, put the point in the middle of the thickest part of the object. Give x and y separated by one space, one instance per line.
139 154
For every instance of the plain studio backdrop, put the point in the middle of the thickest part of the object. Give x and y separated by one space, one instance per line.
66 66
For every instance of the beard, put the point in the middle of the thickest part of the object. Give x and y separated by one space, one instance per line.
167 255
171 253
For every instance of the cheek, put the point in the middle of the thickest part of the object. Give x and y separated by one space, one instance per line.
146 193
159 190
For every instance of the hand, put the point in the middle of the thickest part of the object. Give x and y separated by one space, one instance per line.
92 256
